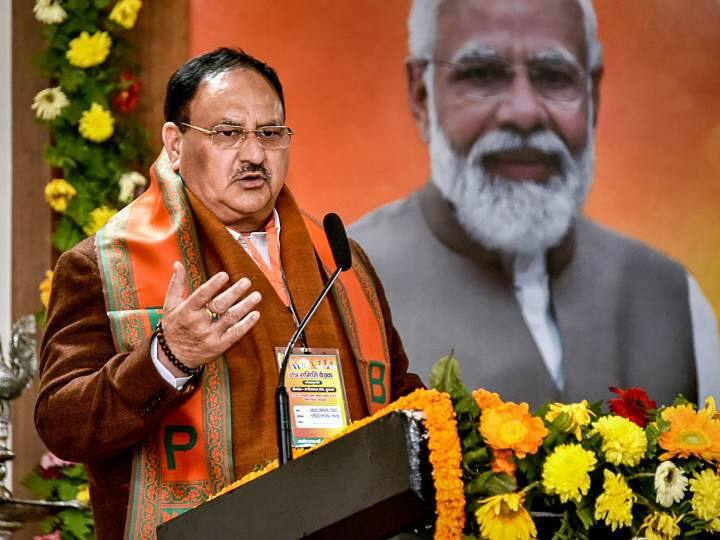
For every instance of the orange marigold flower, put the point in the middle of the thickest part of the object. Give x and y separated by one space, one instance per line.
511 427
485 399
503 462
691 433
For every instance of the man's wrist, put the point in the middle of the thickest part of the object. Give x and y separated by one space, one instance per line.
164 367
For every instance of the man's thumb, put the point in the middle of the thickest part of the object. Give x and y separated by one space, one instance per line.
176 289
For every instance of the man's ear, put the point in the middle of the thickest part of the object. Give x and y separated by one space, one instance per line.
418 95
171 137
596 76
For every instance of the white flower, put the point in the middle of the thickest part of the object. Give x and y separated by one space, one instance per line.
128 183
670 484
49 11
49 103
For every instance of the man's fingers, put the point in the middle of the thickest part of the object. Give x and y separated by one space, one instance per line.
176 288
237 312
207 291
224 301
238 330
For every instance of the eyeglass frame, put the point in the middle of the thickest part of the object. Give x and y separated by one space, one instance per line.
514 67
213 132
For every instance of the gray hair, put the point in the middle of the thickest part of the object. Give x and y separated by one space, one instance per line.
422 30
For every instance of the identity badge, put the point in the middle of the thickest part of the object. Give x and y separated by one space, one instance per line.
318 404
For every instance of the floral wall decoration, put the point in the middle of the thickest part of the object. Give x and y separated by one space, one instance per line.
97 152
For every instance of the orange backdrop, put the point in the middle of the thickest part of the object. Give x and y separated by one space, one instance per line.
341 63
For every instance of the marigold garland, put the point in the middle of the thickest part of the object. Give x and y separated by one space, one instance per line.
445 457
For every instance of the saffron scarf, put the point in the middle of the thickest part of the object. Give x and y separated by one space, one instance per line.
190 456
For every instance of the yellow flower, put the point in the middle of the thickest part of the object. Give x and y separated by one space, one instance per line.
511 427
706 495
660 526
58 193
87 51
623 441
670 484
614 505
579 414
83 494
49 11
49 103
711 408
96 124
45 287
692 433
503 517
125 13
566 472
98 218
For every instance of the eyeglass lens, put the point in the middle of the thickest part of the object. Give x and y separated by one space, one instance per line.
268 136
553 80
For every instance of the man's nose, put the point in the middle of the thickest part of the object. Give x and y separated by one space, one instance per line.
251 150
521 108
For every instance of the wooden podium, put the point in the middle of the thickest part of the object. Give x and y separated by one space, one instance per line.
373 483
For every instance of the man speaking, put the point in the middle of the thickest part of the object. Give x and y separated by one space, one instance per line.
160 357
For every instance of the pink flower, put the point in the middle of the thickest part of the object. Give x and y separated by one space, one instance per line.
51 461
55 535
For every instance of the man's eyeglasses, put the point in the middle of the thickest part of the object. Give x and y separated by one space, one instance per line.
554 80
226 136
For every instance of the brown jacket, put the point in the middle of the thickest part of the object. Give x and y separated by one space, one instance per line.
95 405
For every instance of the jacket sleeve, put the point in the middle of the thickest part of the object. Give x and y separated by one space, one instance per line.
93 403
402 381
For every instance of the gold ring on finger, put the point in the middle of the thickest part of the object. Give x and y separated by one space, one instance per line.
214 317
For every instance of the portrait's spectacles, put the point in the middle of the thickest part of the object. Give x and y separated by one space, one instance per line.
227 136
554 80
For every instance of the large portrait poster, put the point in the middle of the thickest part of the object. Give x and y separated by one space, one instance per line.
658 136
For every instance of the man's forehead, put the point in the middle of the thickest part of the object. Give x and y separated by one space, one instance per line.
231 94
511 26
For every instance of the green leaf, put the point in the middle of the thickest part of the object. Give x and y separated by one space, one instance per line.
479 455
76 472
66 235
80 207
39 486
40 316
66 491
76 522
501 483
48 525
72 78
585 513
476 486
445 375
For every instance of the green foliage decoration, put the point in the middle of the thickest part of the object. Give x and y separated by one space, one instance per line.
93 169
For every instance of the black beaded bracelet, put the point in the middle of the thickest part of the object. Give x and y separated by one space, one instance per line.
173 359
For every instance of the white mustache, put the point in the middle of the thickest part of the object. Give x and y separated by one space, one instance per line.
504 140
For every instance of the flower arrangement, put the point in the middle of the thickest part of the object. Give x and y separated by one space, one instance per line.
633 470
59 480
96 145
96 148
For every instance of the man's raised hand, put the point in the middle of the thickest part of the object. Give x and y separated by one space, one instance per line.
208 322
